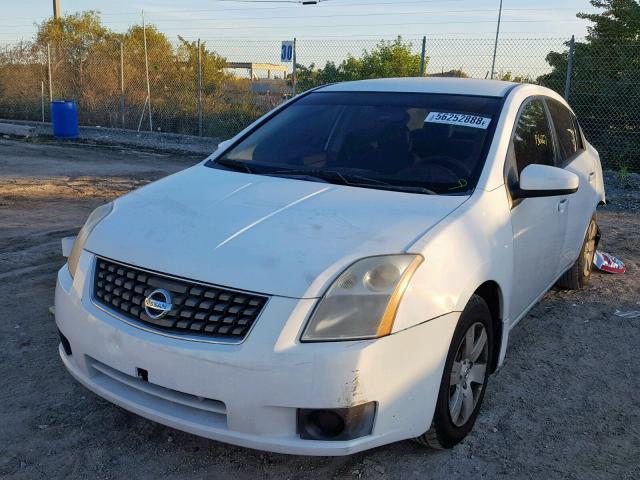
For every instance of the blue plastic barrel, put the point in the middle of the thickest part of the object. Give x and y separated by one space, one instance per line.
64 118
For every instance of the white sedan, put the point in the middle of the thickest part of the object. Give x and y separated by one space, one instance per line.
342 274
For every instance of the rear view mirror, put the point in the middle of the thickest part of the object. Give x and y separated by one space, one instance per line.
546 181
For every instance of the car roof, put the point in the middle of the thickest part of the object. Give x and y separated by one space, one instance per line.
453 86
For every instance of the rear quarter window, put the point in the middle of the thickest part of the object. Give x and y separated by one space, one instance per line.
568 135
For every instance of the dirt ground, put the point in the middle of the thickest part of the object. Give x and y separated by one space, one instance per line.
565 405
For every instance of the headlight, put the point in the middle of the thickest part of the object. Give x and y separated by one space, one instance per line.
96 216
362 302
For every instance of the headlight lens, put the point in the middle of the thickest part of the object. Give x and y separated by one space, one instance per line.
362 302
96 216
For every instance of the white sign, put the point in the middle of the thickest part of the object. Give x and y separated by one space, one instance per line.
286 52
460 119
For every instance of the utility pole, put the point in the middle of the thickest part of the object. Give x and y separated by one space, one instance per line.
56 9
495 47
567 84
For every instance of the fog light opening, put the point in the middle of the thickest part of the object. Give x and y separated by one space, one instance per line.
324 424
65 343
336 423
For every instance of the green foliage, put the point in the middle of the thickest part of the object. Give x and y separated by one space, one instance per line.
510 77
85 59
457 73
623 173
392 58
75 35
212 63
605 90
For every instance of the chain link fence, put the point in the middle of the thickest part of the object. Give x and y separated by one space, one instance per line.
216 87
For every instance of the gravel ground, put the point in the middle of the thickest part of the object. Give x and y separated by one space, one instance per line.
565 405
173 142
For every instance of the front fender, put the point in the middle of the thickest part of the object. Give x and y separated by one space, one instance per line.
472 246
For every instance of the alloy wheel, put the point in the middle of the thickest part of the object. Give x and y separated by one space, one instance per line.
589 249
468 374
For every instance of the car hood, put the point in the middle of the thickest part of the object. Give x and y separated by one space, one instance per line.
264 234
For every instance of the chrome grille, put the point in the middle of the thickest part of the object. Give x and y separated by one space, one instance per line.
197 309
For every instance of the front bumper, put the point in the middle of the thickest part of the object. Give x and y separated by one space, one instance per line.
249 394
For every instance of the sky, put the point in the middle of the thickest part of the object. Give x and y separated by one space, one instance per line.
460 33
266 19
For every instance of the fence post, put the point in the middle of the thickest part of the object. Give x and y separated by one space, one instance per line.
294 77
122 116
199 89
42 99
567 83
146 68
49 69
423 56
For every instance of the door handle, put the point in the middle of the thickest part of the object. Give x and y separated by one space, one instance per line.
592 177
562 205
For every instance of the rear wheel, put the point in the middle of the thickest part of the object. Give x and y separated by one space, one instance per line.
578 275
464 379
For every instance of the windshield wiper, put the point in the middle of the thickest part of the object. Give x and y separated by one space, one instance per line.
296 176
334 176
234 165
397 188
327 176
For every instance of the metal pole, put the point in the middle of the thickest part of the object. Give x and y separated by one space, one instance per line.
423 56
567 83
495 47
42 99
142 113
56 9
294 76
122 121
199 89
49 70
146 67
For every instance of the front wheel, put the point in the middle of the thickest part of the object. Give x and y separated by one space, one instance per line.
464 379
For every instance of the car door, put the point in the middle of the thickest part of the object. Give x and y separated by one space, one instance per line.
572 156
538 223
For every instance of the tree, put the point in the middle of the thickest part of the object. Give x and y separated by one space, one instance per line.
392 58
605 91
71 39
21 73
457 73
213 65
510 77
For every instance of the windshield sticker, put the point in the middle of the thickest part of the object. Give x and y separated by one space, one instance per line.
460 119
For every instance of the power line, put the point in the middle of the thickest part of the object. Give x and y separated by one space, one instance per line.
320 6
359 25
370 14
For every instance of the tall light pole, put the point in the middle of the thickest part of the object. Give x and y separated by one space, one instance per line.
56 8
495 47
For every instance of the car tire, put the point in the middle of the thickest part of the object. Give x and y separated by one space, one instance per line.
460 397
578 275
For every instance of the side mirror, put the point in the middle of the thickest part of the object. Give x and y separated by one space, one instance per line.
546 181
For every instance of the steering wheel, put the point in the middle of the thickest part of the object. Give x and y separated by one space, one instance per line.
455 166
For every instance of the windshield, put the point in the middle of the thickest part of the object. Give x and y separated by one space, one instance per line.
424 143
